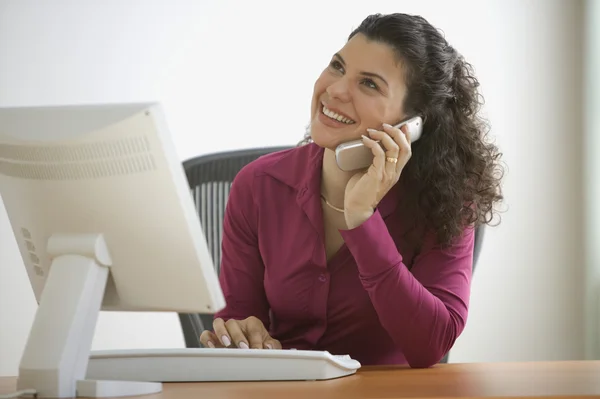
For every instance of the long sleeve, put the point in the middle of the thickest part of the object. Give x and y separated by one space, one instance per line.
425 309
242 268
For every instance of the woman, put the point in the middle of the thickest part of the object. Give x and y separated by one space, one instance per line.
376 263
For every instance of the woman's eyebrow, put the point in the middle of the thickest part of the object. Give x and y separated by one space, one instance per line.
369 74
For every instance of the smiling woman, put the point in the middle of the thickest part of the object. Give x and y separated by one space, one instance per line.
362 87
377 262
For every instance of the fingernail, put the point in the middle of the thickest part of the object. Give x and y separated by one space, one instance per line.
269 346
365 137
210 344
243 345
225 340
372 130
387 125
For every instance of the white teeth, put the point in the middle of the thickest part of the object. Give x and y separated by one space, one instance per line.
337 117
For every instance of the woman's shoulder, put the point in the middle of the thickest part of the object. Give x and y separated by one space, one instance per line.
268 160
282 164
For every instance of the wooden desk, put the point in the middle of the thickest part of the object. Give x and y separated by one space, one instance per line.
545 379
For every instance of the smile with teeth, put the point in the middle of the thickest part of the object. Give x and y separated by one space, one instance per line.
332 115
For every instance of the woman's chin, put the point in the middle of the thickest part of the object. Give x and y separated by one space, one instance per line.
324 139
326 144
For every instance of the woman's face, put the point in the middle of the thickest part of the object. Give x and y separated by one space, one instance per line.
363 87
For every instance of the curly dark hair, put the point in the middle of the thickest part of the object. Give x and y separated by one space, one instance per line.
453 177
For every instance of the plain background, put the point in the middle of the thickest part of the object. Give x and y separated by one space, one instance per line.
240 74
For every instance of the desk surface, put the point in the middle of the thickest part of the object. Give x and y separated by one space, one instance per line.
543 379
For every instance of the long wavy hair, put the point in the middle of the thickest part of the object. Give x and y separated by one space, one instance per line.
453 177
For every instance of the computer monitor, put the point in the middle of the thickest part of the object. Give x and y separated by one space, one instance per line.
104 220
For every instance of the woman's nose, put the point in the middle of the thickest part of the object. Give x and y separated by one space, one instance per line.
339 90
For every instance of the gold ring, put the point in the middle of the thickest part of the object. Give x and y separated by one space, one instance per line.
392 160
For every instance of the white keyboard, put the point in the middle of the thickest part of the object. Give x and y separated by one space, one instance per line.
206 364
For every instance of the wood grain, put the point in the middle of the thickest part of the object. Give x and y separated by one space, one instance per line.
476 380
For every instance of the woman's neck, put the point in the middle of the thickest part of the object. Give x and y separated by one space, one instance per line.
333 180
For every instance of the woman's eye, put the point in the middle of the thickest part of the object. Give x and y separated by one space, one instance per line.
370 84
336 65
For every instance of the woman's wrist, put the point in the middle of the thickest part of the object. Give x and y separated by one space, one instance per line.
356 217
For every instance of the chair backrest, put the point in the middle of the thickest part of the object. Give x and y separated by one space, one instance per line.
479 234
210 177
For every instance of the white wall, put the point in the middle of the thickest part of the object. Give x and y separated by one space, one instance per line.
592 176
240 74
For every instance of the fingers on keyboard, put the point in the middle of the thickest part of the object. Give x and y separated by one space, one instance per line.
209 340
256 339
244 334
222 333
236 333
272 343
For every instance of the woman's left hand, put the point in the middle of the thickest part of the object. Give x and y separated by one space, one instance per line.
365 189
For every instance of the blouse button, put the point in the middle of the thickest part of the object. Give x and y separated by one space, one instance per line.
322 278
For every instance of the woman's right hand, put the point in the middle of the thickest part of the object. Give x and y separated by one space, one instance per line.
244 334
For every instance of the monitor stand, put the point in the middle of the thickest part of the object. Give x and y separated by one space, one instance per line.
57 352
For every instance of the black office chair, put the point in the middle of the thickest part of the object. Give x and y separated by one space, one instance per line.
210 178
